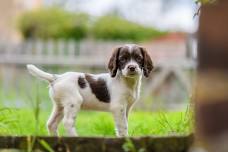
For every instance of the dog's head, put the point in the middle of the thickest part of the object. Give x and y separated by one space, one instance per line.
131 61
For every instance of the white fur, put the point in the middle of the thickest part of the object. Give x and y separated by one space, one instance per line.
41 74
130 46
68 98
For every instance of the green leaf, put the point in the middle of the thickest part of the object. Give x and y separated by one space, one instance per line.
46 145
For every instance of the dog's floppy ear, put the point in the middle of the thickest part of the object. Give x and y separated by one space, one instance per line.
147 62
113 62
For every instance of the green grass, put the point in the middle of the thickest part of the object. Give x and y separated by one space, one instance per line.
26 122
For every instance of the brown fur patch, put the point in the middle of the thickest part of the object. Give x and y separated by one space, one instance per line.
112 65
81 82
147 64
99 88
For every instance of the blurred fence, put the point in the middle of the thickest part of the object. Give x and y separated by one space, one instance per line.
59 52
169 86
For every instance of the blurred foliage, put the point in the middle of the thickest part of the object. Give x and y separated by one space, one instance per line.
205 1
202 2
53 23
7 119
116 28
57 23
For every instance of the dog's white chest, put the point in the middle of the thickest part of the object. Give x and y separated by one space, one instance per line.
131 97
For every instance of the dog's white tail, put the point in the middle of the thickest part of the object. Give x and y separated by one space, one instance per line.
40 74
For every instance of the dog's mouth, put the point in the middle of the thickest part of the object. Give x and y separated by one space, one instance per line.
132 74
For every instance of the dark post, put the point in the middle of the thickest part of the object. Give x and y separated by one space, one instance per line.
212 79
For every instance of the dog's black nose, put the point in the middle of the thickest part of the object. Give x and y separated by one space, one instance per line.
132 68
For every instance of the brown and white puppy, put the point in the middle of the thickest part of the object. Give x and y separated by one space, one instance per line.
114 92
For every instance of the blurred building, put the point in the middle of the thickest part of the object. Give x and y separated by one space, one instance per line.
174 66
11 9
170 46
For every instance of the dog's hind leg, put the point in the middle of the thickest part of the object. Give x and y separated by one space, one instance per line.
71 108
54 120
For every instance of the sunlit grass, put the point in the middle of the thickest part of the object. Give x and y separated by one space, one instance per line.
101 124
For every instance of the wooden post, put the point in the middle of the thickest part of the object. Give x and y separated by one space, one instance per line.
39 48
50 48
71 49
212 80
60 48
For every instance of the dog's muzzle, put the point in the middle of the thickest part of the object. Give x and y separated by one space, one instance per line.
132 70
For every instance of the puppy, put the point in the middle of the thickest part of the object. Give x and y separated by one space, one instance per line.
114 92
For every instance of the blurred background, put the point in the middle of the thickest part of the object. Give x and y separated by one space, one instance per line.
79 35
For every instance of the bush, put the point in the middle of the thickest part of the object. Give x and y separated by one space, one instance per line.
57 23
53 23
115 28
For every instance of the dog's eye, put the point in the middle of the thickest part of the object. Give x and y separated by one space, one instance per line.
123 59
138 59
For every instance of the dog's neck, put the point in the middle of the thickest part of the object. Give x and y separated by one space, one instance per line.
132 84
